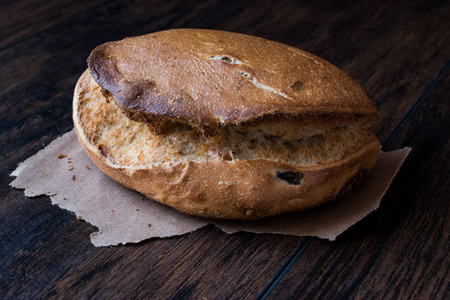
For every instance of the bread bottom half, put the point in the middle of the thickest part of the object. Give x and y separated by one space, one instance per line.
238 175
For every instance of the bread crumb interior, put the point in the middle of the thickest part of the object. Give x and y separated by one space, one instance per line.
129 143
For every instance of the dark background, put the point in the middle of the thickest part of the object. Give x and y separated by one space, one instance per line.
397 50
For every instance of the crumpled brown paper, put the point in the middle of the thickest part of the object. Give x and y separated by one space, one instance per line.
64 172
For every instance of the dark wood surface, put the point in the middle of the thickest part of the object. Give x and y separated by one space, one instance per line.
397 50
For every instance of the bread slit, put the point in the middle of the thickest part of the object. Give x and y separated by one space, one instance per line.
131 143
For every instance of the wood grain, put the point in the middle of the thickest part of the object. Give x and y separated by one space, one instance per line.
21 19
394 49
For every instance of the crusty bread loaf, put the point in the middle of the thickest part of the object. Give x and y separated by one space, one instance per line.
223 125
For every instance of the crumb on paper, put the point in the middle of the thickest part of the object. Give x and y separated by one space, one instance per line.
87 167
70 168
42 173
112 210
61 155
73 177
149 225
64 198
137 209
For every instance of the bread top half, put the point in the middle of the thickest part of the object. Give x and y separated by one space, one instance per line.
212 80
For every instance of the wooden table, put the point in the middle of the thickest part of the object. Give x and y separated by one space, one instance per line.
399 53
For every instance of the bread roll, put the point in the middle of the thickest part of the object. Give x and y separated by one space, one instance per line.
223 125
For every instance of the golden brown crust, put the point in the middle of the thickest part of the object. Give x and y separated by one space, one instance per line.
228 189
214 79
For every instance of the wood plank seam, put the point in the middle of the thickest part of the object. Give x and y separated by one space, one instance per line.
416 105
283 269
264 293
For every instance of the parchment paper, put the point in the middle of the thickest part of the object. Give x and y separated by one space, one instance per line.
65 173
